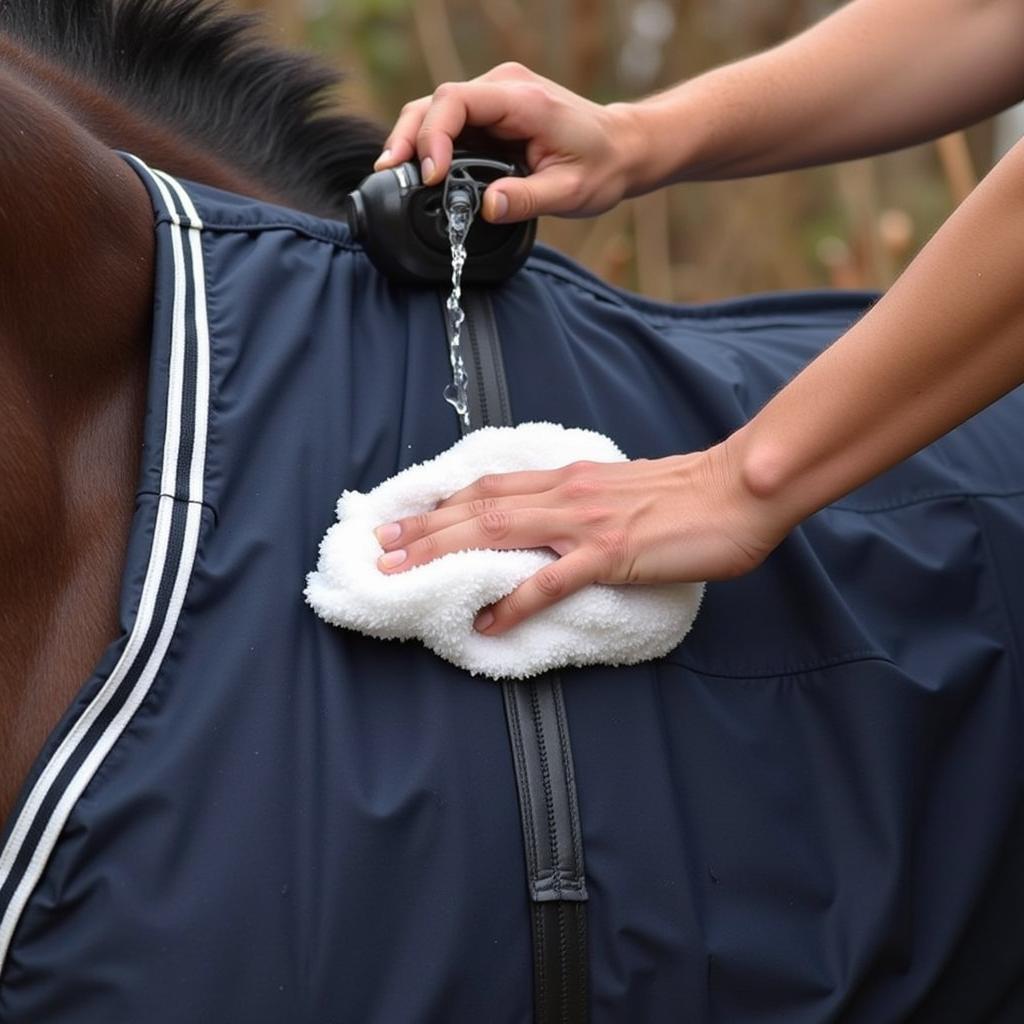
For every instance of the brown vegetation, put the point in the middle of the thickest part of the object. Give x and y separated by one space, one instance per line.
855 225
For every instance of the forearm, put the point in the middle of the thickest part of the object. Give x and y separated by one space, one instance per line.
944 342
877 75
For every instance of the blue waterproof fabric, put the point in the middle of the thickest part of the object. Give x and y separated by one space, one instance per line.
811 811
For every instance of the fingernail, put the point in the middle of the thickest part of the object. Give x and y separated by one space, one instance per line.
499 206
386 534
384 158
483 621
427 168
391 559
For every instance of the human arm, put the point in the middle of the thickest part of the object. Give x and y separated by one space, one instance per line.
945 341
873 76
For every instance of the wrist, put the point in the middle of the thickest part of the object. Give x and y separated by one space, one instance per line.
650 143
764 480
631 145
672 136
655 141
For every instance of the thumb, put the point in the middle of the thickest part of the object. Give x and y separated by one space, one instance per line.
555 189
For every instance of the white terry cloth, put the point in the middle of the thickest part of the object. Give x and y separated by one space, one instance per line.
438 601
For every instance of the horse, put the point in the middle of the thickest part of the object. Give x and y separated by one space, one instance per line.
812 810
196 94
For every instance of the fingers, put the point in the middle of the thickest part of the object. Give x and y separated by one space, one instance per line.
555 189
500 528
553 583
401 143
428 127
523 528
504 492
495 106
403 532
503 485
457 106
508 102
567 142
553 509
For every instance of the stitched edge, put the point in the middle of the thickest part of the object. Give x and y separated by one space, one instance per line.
297 227
850 658
563 963
539 959
1012 646
570 786
526 802
845 305
922 499
545 774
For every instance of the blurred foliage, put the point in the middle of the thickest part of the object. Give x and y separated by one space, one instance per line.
854 225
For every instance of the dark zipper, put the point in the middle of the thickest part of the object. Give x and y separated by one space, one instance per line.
538 730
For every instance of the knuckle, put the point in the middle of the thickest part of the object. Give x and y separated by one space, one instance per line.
513 69
426 548
489 484
550 582
481 506
495 524
445 90
514 606
581 488
592 515
528 204
420 523
574 186
613 544
534 95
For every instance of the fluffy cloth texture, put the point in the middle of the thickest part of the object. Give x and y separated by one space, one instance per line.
437 602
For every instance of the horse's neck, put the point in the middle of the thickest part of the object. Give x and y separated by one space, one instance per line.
120 127
75 307
65 508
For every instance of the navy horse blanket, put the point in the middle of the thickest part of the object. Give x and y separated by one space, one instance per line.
810 811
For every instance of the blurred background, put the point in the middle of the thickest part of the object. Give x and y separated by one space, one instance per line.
855 225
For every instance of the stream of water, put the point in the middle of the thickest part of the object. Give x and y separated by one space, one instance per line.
460 220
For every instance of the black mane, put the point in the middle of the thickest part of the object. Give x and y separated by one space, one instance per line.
203 72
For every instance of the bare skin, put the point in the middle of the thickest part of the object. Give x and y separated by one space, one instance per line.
76 253
947 340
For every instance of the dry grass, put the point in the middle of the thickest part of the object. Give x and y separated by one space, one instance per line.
855 225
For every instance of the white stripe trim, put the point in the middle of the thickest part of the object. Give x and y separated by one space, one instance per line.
176 371
202 334
147 601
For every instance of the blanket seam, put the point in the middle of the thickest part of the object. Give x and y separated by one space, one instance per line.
922 499
1011 639
277 225
851 658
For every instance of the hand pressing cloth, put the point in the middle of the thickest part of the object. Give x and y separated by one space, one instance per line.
438 602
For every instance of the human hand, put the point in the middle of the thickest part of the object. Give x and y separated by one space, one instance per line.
579 153
682 518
